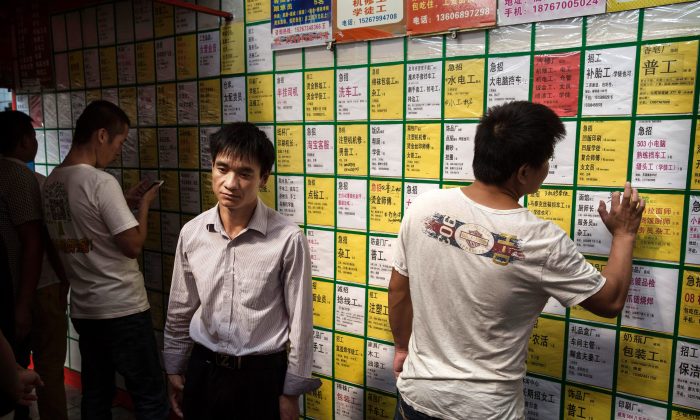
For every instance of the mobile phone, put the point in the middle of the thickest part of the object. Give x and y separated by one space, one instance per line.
156 183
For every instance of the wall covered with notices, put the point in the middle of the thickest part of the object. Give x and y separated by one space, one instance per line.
362 130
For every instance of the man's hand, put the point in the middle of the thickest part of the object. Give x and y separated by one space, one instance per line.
176 384
625 215
23 321
133 195
289 407
27 381
399 359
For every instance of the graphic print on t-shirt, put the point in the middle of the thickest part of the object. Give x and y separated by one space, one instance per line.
502 248
58 214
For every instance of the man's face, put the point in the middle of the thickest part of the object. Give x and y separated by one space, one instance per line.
236 181
110 149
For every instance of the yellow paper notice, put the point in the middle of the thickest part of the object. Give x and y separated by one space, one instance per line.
351 149
186 56
546 348
385 206
552 205
351 257
689 319
659 236
257 10
267 192
75 66
603 153
679 415
318 93
386 93
145 64
290 148
170 191
379 406
92 95
108 66
584 404
210 101
349 358
464 88
261 105
153 235
320 201
166 102
208 198
667 78
188 142
378 315
127 102
644 365
319 402
695 179
322 295
422 151
620 5
148 148
130 177
579 312
163 19
233 48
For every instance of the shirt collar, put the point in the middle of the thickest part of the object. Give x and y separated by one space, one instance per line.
15 160
257 222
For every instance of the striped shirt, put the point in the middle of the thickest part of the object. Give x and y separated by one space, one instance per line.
248 295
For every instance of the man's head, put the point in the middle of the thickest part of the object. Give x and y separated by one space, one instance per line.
516 139
104 127
242 158
18 136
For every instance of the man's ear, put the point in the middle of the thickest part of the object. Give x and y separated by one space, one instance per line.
523 173
102 135
263 179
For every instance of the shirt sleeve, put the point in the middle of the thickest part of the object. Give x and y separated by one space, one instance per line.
112 206
567 276
296 275
25 204
183 303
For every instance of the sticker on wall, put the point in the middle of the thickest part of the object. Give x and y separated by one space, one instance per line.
364 20
302 23
351 95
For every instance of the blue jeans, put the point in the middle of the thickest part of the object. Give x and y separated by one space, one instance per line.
406 412
125 345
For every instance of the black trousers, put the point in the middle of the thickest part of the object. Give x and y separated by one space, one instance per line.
217 392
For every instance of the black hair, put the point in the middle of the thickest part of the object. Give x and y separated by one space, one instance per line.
14 126
512 135
246 141
97 115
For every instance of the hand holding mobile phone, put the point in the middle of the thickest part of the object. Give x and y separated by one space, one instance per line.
156 183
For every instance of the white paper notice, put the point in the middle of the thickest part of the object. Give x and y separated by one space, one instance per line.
651 300
424 90
53 151
692 247
351 204
608 82
350 309
259 49
126 63
323 352
686 385
288 97
380 359
63 105
590 234
591 355
541 398
320 149
209 58
167 147
185 20
413 189
381 260
508 79
389 12
64 142
125 21
352 94
111 95
661 153
105 24
321 246
189 192
561 166
62 78
147 105
458 152
290 197
349 402
50 112
77 102
204 149
91 63
170 231
143 19
513 12
130 150
633 410
386 144
187 103
233 96
165 59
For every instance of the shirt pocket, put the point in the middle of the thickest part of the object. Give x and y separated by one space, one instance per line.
258 289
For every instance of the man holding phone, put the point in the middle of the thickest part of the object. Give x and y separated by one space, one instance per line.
99 240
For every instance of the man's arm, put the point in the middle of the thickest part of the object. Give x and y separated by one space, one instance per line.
400 317
130 241
296 277
31 257
623 222
15 381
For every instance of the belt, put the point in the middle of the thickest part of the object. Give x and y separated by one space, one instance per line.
253 361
